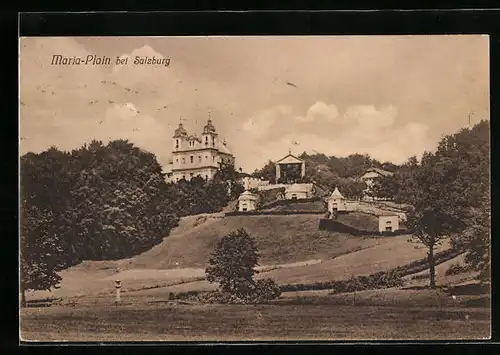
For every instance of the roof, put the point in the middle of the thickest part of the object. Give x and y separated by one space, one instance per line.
379 171
299 188
247 195
336 193
290 159
224 149
180 131
386 214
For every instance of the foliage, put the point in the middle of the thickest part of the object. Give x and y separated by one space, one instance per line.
352 188
267 172
102 202
476 240
447 192
455 269
232 265
374 281
329 172
232 262
41 254
386 188
381 279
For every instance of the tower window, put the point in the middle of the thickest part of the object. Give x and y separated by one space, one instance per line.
206 156
177 143
183 160
176 160
192 159
199 158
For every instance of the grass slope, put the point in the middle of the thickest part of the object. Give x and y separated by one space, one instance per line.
280 239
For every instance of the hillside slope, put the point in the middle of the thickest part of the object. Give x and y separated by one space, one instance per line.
280 239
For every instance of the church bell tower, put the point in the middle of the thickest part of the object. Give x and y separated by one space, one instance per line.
180 136
209 136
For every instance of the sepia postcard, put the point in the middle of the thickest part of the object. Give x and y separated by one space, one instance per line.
254 188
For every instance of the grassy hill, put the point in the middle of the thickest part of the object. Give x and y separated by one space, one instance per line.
280 239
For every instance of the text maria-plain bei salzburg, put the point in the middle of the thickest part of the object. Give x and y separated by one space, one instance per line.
91 59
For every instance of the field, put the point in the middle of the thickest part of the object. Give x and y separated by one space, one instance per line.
292 251
296 320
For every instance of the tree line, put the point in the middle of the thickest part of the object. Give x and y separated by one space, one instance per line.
102 202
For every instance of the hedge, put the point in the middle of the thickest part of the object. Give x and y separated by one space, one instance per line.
381 279
268 213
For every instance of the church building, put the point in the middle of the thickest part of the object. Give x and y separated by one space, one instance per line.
195 156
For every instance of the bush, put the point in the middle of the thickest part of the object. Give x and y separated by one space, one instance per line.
266 290
232 265
455 269
421 276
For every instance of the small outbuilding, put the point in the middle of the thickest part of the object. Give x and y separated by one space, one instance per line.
336 201
388 222
247 201
299 191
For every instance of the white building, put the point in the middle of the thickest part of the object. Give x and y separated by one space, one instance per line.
290 169
249 182
388 222
299 191
336 201
247 201
372 175
194 156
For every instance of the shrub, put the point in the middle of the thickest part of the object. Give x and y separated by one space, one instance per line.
455 269
421 276
232 266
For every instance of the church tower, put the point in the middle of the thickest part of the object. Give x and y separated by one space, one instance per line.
209 136
180 138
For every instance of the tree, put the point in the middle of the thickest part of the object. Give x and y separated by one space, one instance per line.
476 239
41 252
352 188
447 194
431 217
232 265
386 188
268 172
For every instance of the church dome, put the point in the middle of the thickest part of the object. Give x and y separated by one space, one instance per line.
180 131
209 127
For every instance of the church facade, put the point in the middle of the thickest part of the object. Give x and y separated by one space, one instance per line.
194 156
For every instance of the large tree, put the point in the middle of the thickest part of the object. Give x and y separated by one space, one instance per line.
232 265
447 194
41 252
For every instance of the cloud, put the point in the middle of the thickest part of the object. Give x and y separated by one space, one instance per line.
320 111
260 124
360 129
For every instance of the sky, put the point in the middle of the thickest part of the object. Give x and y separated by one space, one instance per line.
388 96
